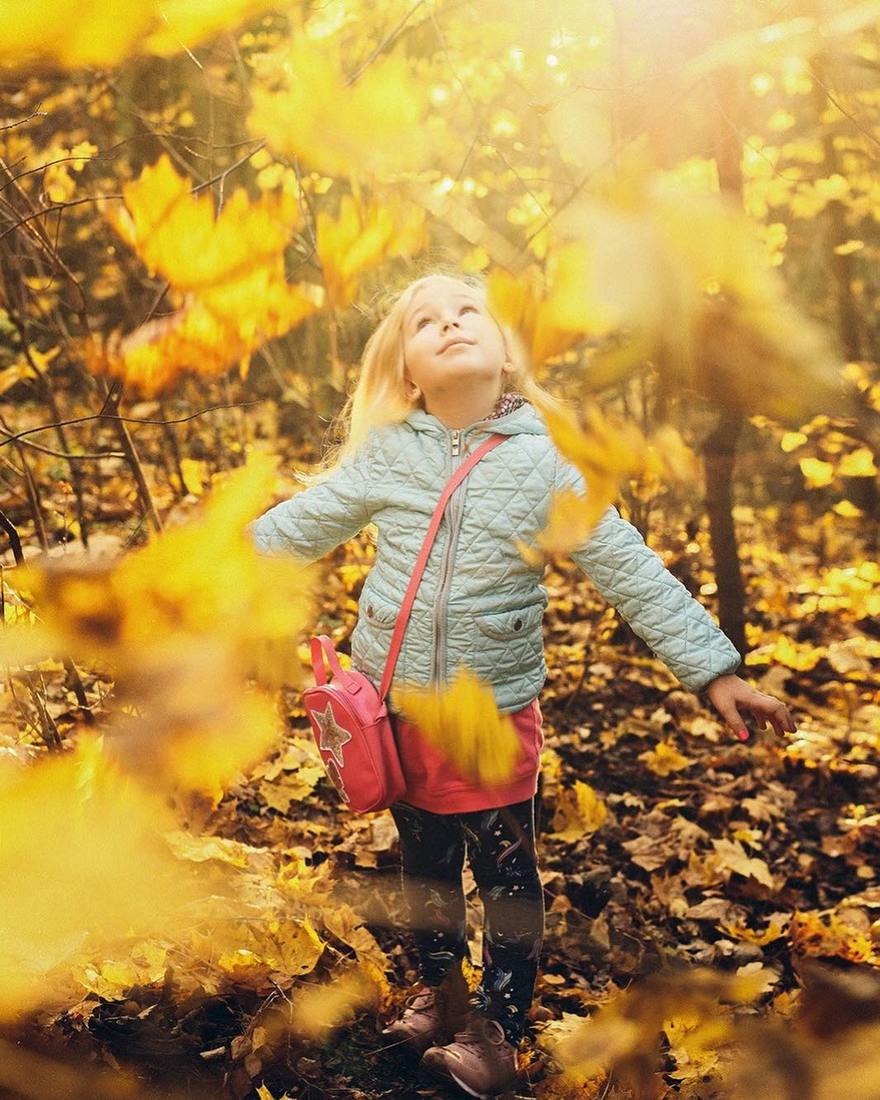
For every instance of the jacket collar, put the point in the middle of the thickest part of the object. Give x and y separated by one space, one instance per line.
523 420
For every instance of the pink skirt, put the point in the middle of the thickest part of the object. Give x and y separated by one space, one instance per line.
433 782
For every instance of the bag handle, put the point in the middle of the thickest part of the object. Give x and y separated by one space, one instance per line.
321 644
403 617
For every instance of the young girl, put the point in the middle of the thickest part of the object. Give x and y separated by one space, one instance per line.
438 375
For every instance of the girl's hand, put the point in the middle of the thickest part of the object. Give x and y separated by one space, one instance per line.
729 694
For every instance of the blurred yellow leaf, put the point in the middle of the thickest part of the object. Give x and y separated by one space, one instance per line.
463 722
800 656
93 34
82 861
195 474
605 451
525 303
183 622
680 276
359 237
319 1008
372 125
858 463
816 472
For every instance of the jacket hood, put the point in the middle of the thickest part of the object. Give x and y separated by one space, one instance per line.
524 420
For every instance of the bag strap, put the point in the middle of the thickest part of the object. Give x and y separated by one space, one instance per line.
458 476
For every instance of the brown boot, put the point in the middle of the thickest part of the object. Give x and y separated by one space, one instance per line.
479 1059
432 1014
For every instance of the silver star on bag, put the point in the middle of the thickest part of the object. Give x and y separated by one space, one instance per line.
333 736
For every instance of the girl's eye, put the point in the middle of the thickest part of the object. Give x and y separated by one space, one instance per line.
422 320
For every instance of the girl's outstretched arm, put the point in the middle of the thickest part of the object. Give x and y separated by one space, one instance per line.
317 519
678 629
658 607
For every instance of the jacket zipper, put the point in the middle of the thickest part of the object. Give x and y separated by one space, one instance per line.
452 517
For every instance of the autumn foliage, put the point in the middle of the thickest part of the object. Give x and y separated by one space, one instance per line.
201 206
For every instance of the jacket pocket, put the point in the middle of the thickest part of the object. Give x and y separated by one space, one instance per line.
377 611
506 625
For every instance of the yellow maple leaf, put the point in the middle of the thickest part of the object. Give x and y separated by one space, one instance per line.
665 758
605 451
82 862
462 722
227 273
679 276
580 811
319 1008
775 930
177 234
337 126
525 302
88 33
183 622
253 949
359 237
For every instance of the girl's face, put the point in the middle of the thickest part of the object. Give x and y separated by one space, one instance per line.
450 340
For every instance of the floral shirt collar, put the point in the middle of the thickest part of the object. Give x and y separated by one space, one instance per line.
506 403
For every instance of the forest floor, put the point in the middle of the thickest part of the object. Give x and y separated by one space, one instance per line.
744 857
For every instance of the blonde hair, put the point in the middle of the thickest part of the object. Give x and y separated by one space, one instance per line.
380 397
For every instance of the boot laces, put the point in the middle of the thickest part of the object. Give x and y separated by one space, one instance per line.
421 999
479 1031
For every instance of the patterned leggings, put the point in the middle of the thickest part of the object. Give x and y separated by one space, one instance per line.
500 846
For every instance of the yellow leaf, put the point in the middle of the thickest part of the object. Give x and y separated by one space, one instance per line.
800 656
14 374
816 472
183 622
683 280
462 722
82 862
93 34
229 270
665 758
361 237
523 303
371 125
775 930
792 440
858 463
287 947
605 452
188 22
177 234
733 858
319 1008
579 812
195 473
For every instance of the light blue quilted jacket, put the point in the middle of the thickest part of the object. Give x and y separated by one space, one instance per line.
479 604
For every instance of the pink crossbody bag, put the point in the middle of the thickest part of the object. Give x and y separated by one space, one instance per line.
348 716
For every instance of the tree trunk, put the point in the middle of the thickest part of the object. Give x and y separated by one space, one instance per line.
719 446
